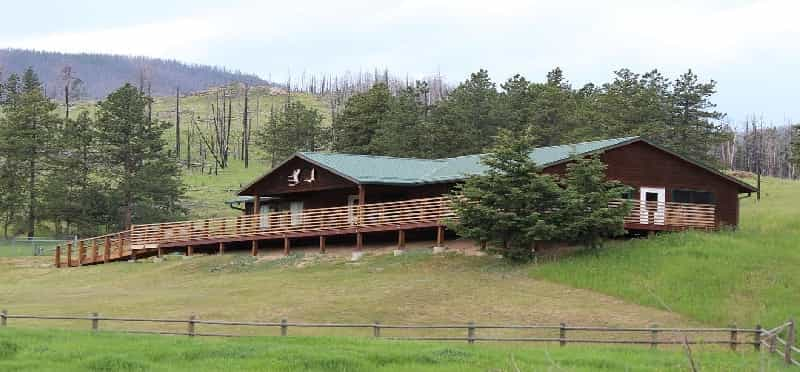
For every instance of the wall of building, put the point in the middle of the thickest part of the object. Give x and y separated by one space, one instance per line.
642 165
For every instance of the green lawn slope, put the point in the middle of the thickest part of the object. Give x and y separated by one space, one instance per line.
746 277
38 350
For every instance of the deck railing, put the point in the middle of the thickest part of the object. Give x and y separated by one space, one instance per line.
367 217
406 214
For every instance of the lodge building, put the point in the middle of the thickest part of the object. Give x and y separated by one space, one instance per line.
321 195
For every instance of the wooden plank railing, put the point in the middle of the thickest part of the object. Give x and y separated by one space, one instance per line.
671 214
431 211
412 213
102 248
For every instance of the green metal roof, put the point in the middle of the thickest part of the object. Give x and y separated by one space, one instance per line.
369 169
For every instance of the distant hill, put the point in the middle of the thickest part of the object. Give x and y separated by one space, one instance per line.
102 73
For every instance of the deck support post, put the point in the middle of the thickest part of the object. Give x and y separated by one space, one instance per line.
286 246
440 236
58 257
359 241
189 250
160 252
321 244
221 248
254 248
107 249
81 252
69 254
401 239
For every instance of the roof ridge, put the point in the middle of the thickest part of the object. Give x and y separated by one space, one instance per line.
370 156
587 142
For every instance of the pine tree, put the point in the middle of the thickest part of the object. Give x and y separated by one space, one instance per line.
584 212
147 180
694 127
364 113
467 120
27 129
509 206
295 128
403 131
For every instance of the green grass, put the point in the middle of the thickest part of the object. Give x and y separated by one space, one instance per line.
746 277
39 350
418 287
207 193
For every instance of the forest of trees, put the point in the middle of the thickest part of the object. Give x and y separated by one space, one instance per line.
83 174
94 76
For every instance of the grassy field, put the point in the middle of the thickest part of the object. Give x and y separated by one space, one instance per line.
37 350
418 287
746 277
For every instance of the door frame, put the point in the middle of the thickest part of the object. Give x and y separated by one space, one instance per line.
659 216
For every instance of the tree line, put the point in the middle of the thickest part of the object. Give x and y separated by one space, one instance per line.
82 174
382 120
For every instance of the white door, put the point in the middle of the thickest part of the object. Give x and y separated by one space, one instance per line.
264 216
652 209
296 208
352 204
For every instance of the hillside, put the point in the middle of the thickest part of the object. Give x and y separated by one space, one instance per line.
745 277
103 73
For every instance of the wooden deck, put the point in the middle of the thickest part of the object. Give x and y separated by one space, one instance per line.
149 239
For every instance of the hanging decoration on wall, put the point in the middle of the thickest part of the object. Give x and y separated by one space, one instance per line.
294 178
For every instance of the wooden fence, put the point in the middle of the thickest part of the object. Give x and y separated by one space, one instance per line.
732 337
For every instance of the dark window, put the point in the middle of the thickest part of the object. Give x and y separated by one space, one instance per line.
692 196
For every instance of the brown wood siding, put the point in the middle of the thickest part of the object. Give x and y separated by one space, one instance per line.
277 182
639 164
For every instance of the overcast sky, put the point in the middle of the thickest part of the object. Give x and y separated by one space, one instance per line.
751 47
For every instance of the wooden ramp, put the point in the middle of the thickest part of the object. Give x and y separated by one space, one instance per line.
160 238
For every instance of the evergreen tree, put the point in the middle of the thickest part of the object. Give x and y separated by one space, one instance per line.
363 115
146 180
467 120
76 193
295 128
694 128
27 128
584 209
554 110
510 206
404 130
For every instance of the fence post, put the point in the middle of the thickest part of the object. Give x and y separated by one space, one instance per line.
562 334
757 338
790 336
58 257
471 333
734 336
190 329
654 336
107 249
772 342
95 322
376 329
284 327
3 317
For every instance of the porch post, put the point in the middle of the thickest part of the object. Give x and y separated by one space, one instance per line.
256 204
254 248
286 246
359 241
189 250
361 196
221 248
322 244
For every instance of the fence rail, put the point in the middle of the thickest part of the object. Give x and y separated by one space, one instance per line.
563 333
